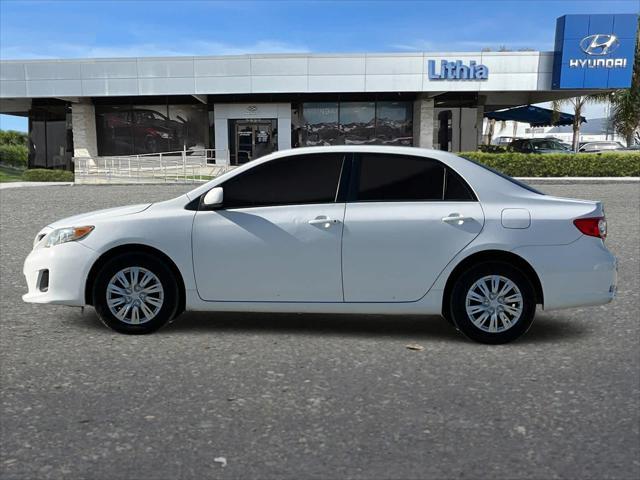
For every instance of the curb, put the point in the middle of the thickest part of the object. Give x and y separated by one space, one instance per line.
7 185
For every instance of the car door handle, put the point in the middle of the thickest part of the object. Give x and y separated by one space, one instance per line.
456 219
326 222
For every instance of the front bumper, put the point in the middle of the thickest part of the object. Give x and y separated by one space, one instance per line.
68 267
579 274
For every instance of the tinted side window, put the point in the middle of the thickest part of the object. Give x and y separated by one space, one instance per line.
297 179
388 178
456 189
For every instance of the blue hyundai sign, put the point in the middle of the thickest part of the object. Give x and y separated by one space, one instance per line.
594 51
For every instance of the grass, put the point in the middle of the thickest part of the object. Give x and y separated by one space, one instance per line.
8 174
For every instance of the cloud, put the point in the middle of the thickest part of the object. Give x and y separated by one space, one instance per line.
415 46
469 45
144 49
476 37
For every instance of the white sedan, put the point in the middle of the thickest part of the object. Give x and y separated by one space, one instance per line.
348 229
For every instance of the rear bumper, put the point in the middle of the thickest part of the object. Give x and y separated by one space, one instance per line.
580 274
68 266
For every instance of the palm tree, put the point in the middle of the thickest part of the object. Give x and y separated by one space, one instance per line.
625 104
625 113
577 104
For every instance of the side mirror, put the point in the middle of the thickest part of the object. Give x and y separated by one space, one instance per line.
213 198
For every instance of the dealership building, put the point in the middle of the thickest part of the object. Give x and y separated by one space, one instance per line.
249 105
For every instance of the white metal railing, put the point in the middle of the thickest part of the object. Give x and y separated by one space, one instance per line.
183 166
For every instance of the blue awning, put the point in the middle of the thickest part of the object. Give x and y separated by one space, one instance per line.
534 116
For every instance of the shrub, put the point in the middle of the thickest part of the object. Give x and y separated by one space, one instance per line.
44 175
11 137
515 164
14 155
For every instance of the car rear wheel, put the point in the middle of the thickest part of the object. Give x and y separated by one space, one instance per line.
493 302
135 293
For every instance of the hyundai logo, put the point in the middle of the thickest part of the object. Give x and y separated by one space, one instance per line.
599 44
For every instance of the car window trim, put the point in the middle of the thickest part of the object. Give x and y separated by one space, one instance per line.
344 181
352 196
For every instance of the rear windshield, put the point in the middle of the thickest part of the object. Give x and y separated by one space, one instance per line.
507 177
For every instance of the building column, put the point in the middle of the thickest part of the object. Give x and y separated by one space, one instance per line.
83 120
284 126
480 124
423 111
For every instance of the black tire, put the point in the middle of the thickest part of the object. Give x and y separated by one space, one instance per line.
457 303
168 309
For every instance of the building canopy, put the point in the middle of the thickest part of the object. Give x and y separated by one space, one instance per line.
534 116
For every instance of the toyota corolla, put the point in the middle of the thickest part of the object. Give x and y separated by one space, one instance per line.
345 229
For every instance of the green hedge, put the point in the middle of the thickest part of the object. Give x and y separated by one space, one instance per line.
492 148
44 175
14 155
624 164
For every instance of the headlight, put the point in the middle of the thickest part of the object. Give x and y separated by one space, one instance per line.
164 135
67 234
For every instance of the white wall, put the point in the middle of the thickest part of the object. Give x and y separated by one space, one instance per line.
391 72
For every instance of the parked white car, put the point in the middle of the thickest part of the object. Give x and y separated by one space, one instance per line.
345 229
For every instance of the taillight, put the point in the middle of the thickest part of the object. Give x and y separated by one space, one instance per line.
594 227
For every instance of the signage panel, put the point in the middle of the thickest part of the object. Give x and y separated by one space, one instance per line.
594 51
456 70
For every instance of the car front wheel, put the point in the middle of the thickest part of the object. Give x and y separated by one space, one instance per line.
493 302
135 293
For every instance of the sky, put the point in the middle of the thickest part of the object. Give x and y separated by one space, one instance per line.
82 28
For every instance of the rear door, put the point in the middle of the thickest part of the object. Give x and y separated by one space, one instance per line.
407 218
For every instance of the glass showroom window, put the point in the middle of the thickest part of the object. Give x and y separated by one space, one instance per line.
113 129
394 123
152 130
140 129
191 125
321 125
357 123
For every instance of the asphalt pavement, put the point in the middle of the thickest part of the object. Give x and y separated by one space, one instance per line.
313 396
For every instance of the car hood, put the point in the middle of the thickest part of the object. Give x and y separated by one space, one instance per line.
89 217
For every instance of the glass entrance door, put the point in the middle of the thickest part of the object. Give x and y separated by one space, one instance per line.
253 140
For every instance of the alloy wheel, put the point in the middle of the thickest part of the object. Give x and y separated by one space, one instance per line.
494 303
135 295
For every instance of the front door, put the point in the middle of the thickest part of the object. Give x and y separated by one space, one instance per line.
253 140
277 236
410 217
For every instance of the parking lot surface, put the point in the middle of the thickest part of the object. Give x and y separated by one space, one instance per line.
313 396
